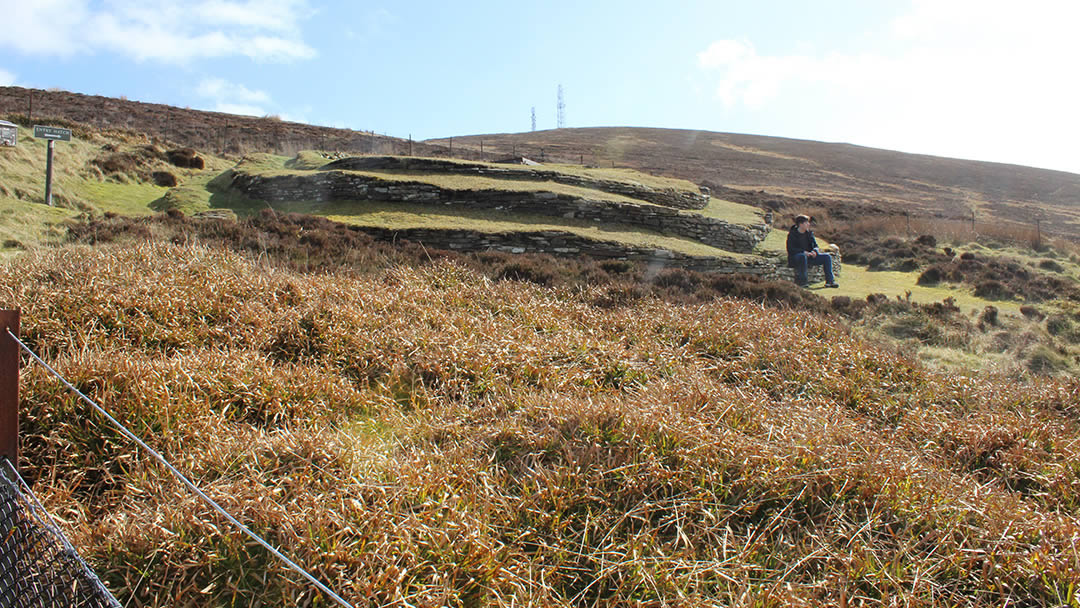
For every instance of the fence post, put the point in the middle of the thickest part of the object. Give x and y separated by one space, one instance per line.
9 387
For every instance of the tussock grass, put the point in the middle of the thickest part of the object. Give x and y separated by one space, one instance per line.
428 436
25 225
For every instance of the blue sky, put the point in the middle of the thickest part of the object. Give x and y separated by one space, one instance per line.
981 79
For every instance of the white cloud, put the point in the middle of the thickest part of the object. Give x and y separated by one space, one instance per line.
43 27
233 98
273 15
985 79
6 78
221 89
160 30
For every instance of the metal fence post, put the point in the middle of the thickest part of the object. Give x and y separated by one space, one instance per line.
9 387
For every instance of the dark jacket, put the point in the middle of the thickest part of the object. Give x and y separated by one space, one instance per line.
798 242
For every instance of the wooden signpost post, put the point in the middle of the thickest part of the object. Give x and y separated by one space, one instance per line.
9 387
53 134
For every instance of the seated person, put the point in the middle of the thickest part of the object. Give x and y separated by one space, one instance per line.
802 251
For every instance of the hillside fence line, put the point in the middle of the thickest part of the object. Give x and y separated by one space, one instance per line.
1036 235
236 135
38 565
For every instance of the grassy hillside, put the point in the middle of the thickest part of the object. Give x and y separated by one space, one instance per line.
419 434
98 172
844 181
112 172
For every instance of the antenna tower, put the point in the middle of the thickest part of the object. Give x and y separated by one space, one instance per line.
534 118
560 120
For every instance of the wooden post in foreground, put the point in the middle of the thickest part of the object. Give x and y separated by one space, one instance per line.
9 387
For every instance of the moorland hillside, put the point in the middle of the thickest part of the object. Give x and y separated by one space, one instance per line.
842 180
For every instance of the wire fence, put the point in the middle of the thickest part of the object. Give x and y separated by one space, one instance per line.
38 566
21 554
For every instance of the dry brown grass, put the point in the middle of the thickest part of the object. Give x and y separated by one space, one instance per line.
429 437
955 231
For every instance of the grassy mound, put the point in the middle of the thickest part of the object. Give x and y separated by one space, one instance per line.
424 435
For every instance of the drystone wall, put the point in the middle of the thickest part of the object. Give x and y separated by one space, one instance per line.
561 243
339 185
667 197
813 273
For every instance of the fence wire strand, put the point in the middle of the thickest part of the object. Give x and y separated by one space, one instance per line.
38 566
180 477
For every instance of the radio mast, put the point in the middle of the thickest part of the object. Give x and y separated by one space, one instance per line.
560 116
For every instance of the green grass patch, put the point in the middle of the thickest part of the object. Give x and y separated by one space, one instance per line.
629 176
24 224
858 282
775 243
736 213
131 198
307 160
262 163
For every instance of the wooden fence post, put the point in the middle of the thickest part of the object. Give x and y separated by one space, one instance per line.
9 387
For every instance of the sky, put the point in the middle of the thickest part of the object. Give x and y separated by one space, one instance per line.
986 80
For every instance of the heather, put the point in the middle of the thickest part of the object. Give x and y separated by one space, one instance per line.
427 433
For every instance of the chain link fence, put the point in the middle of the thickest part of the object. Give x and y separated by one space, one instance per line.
38 567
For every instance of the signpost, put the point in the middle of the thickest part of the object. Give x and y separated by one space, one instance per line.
53 134
9 133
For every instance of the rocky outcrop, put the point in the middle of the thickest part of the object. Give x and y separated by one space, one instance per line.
667 197
343 185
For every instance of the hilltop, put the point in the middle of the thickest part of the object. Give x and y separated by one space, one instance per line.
844 180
